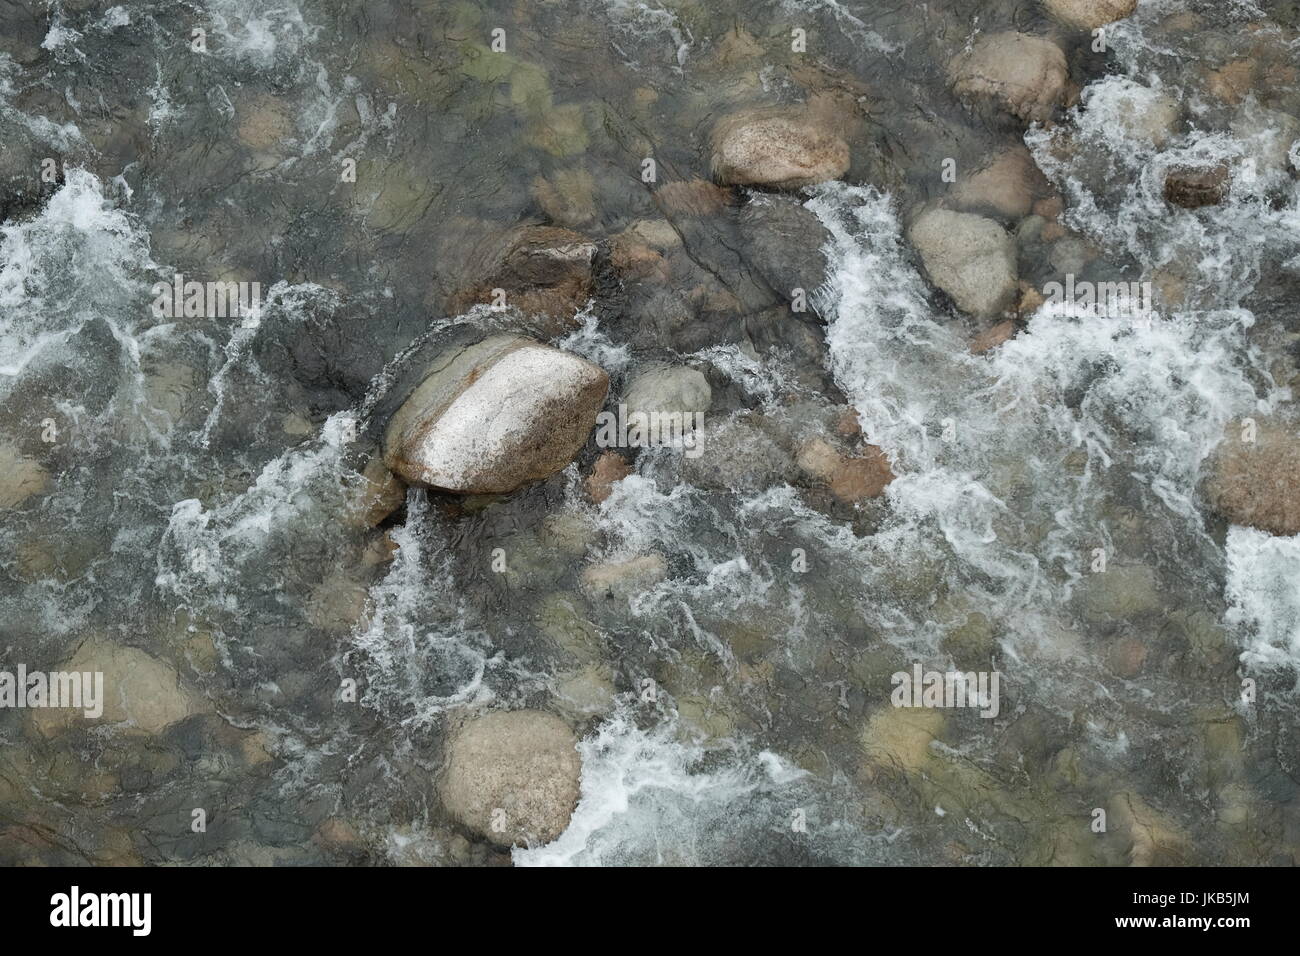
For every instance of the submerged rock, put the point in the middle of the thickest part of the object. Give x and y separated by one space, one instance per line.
378 494
692 197
784 243
971 258
1258 483
1193 188
491 417
992 337
1006 187
1089 14
784 149
1149 836
512 778
542 270
741 456
670 390
1025 75
141 694
621 580
568 197
20 477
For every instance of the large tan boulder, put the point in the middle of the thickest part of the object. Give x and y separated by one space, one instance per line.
512 777
1089 14
971 258
1257 483
1024 75
784 149
491 417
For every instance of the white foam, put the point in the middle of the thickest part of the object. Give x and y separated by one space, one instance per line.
1263 594
647 799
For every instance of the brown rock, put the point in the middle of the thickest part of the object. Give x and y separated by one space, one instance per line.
1126 657
1030 301
784 149
543 270
993 337
1258 483
567 196
20 477
1193 188
512 778
1231 82
1050 208
1007 186
692 197
609 468
636 260
1089 14
265 123
848 425
852 478
1025 75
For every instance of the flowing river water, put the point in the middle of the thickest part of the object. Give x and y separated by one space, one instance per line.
179 490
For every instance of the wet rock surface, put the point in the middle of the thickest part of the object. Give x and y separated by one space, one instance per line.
781 149
1089 14
1022 74
512 777
494 416
971 258
1194 188
1255 477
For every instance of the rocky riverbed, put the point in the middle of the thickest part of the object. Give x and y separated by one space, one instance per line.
609 433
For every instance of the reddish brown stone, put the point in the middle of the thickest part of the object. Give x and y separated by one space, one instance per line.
692 197
993 337
851 478
609 468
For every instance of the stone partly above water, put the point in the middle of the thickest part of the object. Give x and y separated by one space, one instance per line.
1089 14
781 149
512 778
493 416
1025 75
971 258
851 478
1257 483
669 390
